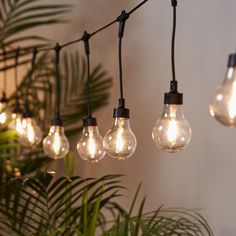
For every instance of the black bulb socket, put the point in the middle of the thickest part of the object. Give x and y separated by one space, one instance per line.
121 112
17 109
4 98
173 97
89 121
27 112
57 121
232 60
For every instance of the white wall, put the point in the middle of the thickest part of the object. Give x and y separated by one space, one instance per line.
202 176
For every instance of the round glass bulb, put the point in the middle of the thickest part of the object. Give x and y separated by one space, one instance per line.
120 142
56 144
5 114
223 101
90 145
172 132
16 123
31 133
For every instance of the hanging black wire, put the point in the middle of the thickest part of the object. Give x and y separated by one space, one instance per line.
34 56
174 5
58 82
4 76
86 38
16 72
29 49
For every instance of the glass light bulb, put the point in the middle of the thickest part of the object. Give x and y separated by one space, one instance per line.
120 142
223 101
31 133
16 123
5 114
172 132
90 145
56 144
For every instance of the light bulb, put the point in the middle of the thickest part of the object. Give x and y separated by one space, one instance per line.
120 142
56 144
223 101
90 146
31 134
172 132
5 114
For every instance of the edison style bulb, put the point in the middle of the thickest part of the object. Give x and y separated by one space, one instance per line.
223 101
172 132
31 133
5 114
56 144
120 142
16 124
90 145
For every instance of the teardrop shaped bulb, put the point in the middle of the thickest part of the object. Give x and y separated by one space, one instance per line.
172 132
120 142
56 144
5 114
223 102
31 133
90 145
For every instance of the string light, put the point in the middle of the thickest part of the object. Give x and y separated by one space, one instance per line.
90 145
172 132
56 144
223 101
16 122
120 142
5 114
31 134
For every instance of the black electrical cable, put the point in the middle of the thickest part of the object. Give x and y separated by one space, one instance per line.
174 5
34 56
121 69
29 49
86 38
4 76
58 82
16 72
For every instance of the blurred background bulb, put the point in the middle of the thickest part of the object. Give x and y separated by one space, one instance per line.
56 144
223 101
172 132
120 142
31 134
5 114
15 124
90 146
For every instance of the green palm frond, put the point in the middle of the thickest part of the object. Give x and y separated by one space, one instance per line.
74 206
19 16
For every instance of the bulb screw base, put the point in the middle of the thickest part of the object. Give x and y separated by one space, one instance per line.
173 97
89 121
121 111
232 60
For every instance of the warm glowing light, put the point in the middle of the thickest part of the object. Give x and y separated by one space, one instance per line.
172 133
31 134
120 142
90 145
223 102
56 144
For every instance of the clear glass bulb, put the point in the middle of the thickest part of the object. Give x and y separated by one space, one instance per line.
120 142
56 144
172 132
31 133
223 101
90 146
5 114
16 123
